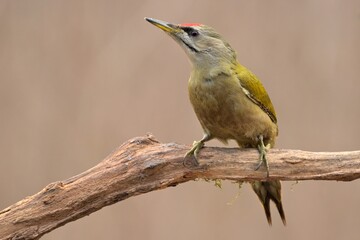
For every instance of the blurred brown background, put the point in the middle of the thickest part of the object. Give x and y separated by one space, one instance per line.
78 78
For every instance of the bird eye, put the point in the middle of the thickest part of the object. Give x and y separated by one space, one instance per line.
191 32
194 33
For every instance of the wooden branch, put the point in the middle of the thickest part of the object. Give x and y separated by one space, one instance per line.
142 164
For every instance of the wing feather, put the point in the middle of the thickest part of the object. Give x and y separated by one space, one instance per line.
255 91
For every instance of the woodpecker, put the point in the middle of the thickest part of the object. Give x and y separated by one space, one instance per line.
230 102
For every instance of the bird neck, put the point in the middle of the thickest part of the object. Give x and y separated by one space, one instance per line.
210 69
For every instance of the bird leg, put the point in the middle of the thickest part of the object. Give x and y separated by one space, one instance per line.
262 151
197 145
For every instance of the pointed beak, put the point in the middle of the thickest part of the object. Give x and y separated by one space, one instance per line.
165 26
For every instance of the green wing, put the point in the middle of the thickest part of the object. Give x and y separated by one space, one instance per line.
254 89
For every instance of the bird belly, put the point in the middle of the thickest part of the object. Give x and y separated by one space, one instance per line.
226 112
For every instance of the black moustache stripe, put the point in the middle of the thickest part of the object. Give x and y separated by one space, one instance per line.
191 48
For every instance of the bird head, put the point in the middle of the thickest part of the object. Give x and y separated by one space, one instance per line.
203 45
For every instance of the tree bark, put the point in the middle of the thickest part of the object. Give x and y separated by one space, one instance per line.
142 164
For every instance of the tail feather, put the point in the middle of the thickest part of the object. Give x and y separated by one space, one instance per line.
266 205
281 212
267 191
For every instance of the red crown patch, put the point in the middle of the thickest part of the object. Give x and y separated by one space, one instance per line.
190 24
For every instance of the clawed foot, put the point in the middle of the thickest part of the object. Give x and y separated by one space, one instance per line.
262 151
194 151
